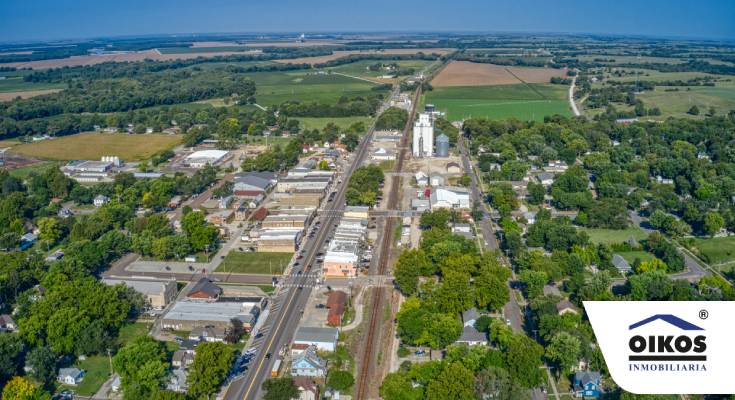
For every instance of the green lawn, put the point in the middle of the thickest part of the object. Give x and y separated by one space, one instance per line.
522 101
612 236
266 288
676 104
716 250
255 263
130 332
320 123
630 256
277 87
97 371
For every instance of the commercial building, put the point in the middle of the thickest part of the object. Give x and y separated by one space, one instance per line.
158 293
88 171
336 304
199 159
299 183
303 199
450 197
423 136
186 315
341 259
285 221
279 240
204 290
325 339
253 184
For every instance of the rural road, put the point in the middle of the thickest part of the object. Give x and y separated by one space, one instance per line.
575 110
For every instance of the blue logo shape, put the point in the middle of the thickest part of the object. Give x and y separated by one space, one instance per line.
671 319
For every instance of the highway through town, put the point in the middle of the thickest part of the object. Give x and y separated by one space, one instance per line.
511 310
288 305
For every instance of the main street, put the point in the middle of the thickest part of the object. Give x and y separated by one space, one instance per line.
511 310
289 302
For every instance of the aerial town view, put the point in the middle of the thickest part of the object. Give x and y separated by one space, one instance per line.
326 200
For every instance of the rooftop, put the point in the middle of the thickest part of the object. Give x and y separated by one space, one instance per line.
197 311
313 334
214 154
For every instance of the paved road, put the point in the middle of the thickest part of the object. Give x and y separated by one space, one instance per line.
290 301
511 310
572 104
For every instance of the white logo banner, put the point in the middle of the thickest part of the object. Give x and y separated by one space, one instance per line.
667 347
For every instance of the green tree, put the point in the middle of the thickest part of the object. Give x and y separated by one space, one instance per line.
496 383
43 361
209 369
534 282
694 110
454 382
20 388
280 389
713 222
523 358
536 192
564 351
50 230
142 367
11 348
398 386
340 380
410 265
491 291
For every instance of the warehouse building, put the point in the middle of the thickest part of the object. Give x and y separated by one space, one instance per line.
199 159
325 339
158 293
186 315
297 183
450 197
279 240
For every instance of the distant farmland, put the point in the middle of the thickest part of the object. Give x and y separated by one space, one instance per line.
465 73
525 102
277 87
92 146
344 53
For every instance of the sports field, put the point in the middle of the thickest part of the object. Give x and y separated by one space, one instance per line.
255 263
522 101
92 146
277 87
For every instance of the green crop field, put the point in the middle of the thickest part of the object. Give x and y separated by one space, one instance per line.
320 123
360 68
277 87
17 84
255 263
522 101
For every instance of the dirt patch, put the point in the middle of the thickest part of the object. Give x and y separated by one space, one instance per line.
8 96
344 53
465 73
153 54
14 161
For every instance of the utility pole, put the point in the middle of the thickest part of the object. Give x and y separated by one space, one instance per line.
109 357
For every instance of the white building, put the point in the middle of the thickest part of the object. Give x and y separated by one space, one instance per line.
450 197
325 339
423 136
199 159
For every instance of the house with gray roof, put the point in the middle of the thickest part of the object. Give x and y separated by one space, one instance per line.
621 264
70 376
308 363
325 339
472 337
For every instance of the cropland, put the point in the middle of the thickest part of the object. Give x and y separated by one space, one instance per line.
464 73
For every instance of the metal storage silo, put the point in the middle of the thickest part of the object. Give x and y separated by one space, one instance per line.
442 146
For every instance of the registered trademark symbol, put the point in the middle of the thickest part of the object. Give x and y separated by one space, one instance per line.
703 314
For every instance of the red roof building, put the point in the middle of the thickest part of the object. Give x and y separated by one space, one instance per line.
336 304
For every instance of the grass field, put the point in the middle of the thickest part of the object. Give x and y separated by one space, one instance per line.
718 250
320 123
526 102
130 332
97 371
92 146
630 256
676 104
611 236
360 68
277 87
255 263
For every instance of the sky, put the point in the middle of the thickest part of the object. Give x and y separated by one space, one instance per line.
26 20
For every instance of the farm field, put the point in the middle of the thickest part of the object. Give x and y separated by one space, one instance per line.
360 68
525 102
92 146
320 123
344 53
719 250
465 73
676 104
213 49
274 88
612 236
13 86
255 263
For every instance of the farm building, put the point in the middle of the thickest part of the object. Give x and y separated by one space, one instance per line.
423 136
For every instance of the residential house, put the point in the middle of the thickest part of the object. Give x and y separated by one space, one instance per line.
565 306
7 324
436 180
530 217
336 304
587 384
28 240
308 363
470 335
621 264
182 359
421 178
100 200
177 381
205 290
70 376
453 168
55 256
556 166
308 389
545 178
325 339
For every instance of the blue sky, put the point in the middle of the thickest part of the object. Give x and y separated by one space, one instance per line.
60 19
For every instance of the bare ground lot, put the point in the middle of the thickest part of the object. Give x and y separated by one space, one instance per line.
8 96
465 73
122 57
344 53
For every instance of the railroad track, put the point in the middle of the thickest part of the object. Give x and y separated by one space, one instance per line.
387 238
